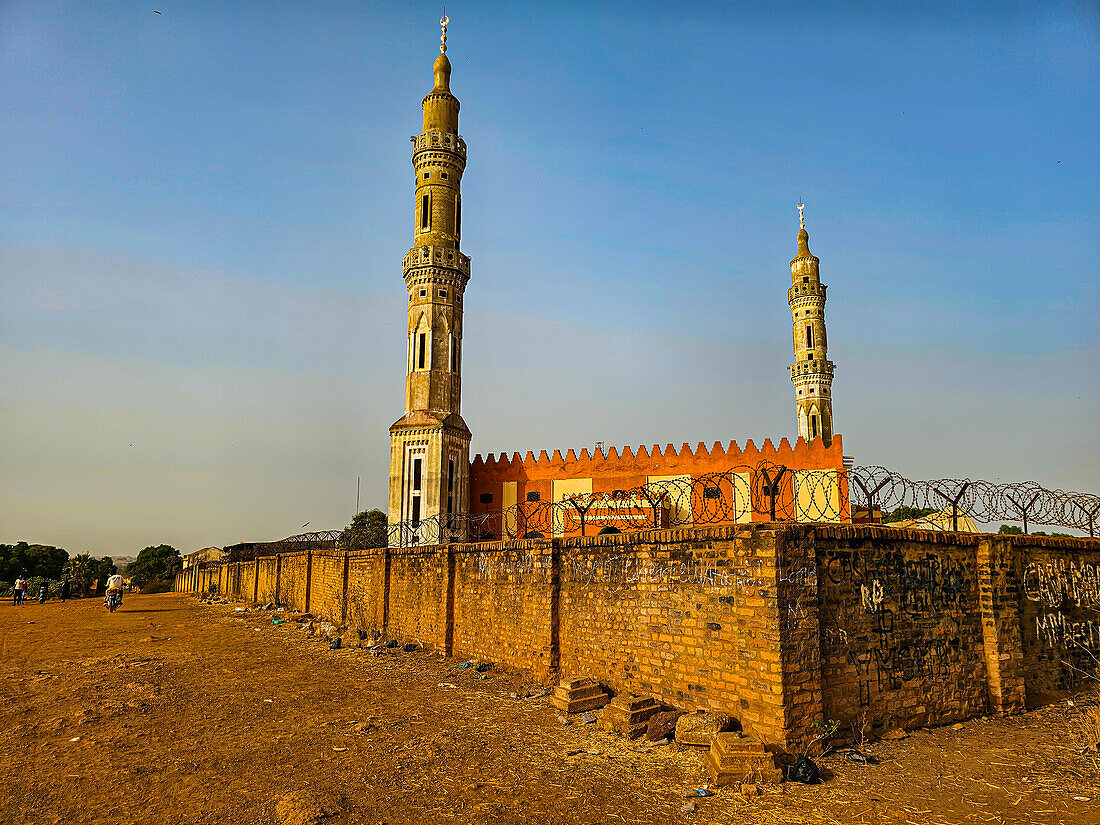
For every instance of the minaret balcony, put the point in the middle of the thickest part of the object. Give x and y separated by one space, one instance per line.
425 256
814 366
439 141
806 290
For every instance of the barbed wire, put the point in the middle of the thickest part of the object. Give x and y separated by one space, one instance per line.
761 492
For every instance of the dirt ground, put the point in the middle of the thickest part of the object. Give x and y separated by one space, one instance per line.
174 712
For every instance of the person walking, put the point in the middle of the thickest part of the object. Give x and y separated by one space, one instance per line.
20 590
64 590
43 591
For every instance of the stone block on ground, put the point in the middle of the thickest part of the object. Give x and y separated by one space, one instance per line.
736 758
577 695
662 725
700 727
629 714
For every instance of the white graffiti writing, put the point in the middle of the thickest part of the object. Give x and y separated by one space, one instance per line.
1053 583
1055 630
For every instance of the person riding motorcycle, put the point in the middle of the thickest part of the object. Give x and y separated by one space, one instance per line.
113 598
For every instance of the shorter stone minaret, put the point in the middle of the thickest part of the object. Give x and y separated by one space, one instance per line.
811 372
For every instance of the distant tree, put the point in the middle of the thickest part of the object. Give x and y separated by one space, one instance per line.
32 560
1011 530
1052 535
155 565
907 513
367 529
82 571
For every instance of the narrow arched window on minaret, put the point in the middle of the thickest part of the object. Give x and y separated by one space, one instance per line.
430 444
812 371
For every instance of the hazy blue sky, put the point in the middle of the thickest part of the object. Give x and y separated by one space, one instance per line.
203 214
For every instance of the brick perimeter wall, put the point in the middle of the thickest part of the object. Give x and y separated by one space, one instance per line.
688 616
780 625
901 629
367 591
1059 609
418 595
503 603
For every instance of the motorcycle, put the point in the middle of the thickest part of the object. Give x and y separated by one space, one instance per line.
113 600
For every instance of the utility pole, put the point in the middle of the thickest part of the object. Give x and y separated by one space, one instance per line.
356 496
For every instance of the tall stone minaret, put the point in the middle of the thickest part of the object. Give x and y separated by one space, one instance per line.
811 372
430 444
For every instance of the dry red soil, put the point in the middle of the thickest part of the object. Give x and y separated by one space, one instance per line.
174 712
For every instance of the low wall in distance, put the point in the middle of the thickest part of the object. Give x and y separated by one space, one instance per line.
780 625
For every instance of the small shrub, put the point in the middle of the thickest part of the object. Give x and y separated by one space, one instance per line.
157 587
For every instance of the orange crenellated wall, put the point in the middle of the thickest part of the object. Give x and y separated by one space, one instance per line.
627 469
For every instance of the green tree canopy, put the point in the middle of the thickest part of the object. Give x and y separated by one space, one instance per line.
367 529
155 564
32 560
1010 530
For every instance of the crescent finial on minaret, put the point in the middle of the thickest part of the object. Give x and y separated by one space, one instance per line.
801 217
443 21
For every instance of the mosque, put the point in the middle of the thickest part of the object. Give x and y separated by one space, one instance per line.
432 478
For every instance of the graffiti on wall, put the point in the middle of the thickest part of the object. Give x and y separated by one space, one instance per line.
894 618
1053 583
1062 590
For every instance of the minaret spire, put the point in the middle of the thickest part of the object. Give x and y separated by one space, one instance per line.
430 444
811 372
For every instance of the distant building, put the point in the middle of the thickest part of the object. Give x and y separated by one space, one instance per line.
940 521
201 556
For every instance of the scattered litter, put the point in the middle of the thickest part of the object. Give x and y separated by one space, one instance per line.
957 726
588 717
481 676
275 620
1082 799
749 790
410 647
393 643
698 792
339 750
269 700
464 665
860 758
240 609
564 720
447 685
256 629
484 667
805 771
335 644
75 739
687 808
